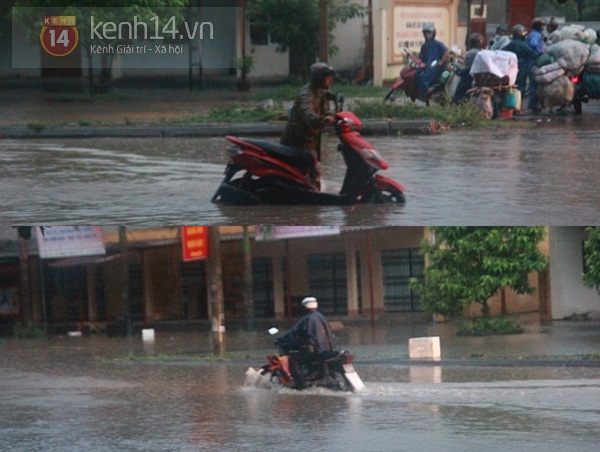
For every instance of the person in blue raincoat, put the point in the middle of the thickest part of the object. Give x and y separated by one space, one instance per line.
535 40
434 55
311 336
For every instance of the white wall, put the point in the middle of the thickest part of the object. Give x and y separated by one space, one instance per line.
569 294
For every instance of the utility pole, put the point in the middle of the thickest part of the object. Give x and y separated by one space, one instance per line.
215 290
370 44
125 282
24 232
323 32
248 282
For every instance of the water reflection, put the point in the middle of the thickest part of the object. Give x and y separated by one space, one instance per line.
540 175
78 393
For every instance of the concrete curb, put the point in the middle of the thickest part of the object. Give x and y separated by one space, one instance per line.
370 127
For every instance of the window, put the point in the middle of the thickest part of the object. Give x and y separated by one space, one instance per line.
260 36
398 267
262 269
327 282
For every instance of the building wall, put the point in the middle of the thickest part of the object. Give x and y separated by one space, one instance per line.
560 291
569 295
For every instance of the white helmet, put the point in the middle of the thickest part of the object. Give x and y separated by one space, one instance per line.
310 303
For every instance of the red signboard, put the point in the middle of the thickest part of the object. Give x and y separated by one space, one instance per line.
194 242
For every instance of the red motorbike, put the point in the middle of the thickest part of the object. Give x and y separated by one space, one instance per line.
335 371
407 80
264 172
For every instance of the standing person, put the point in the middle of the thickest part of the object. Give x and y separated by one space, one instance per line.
501 39
311 336
434 55
309 115
535 40
552 35
525 55
476 44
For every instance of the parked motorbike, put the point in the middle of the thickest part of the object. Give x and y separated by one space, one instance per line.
406 82
261 171
335 372
587 86
407 79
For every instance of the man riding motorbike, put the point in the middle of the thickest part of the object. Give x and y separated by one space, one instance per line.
434 55
309 115
311 337
475 44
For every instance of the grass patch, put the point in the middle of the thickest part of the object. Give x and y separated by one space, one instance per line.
288 92
36 126
463 115
234 113
27 332
209 357
488 326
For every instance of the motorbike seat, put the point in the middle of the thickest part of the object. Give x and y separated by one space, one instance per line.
297 157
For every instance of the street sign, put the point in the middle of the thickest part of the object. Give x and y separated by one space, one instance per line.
194 242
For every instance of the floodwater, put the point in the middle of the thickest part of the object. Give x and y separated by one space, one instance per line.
71 394
546 174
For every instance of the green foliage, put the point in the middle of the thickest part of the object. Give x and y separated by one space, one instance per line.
26 332
234 113
470 264
466 114
571 10
591 258
488 326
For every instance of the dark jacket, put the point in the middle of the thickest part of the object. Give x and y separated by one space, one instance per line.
312 331
525 57
306 120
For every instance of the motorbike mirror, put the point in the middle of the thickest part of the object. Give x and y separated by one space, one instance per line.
330 95
273 331
341 102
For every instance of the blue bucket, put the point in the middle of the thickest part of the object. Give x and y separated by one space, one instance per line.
512 99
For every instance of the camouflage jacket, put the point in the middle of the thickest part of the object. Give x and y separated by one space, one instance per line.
305 123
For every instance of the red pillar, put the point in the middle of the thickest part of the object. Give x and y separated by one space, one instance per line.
520 12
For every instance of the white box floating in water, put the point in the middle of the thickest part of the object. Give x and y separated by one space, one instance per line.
148 335
424 348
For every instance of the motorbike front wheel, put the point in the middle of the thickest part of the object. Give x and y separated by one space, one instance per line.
392 95
393 196
341 383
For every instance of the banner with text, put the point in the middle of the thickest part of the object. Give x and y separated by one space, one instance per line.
69 241
265 232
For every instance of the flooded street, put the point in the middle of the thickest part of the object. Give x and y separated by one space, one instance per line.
545 174
67 394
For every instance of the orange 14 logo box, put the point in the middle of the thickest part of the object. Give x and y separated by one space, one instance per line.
59 36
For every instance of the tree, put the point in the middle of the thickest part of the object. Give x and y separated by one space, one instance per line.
295 25
591 258
571 10
470 264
